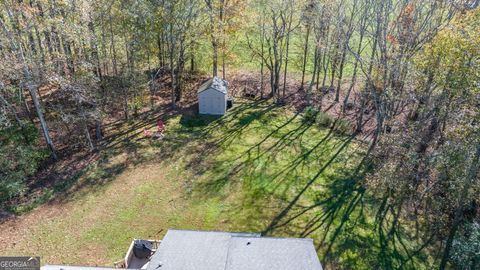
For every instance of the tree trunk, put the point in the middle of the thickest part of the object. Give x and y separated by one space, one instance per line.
95 53
160 50
215 58
286 55
314 74
262 64
38 108
98 130
340 74
85 129
305 53
113 50
448 244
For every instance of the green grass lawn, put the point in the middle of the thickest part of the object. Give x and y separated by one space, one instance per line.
261 168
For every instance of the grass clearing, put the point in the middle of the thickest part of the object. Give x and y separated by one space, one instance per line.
260 168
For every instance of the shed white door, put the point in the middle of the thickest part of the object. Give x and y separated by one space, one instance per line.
212 109
218 105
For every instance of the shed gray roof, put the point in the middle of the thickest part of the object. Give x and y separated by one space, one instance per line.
216 84
198 250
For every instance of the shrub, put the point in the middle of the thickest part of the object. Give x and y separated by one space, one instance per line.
310 114
343 126
137 103
466 247
324 120
19 159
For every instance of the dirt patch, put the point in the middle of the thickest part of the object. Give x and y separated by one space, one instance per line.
15 229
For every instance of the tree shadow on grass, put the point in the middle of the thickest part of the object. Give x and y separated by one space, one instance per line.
122 137
247 159
276 142
341 221
239 120
339 217
201 137
195 121
240 109
277 220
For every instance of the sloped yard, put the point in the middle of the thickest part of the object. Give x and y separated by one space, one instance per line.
261 168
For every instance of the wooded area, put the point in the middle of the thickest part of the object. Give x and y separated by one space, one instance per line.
404 75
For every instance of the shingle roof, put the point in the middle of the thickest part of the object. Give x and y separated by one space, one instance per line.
272 254
199 250
214 83
68 267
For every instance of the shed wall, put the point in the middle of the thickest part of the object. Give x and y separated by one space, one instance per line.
212 101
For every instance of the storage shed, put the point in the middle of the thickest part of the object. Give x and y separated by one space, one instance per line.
213 96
